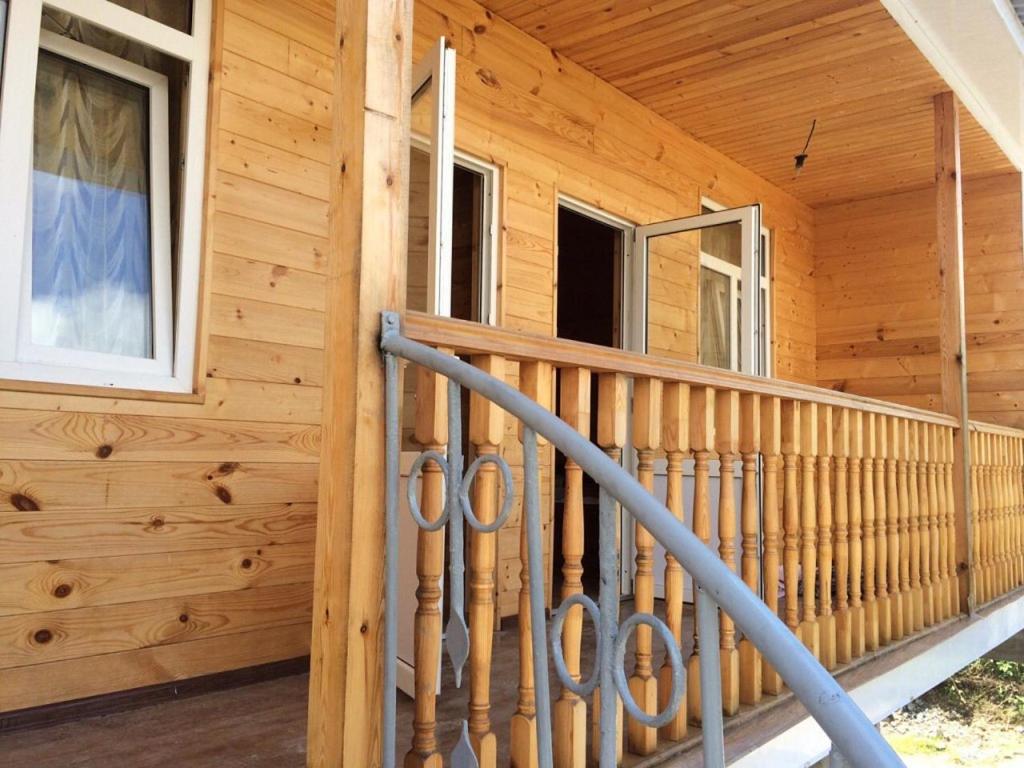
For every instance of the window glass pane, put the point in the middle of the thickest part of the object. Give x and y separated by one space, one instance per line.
419 230
716 331
724 241
91 269
765 341
173 13
764 255
467 243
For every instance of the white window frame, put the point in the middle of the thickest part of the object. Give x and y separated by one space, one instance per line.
175 317
735 275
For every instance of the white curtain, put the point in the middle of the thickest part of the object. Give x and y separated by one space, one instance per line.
715 322
91 268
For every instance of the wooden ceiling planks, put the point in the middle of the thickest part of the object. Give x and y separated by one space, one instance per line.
748 77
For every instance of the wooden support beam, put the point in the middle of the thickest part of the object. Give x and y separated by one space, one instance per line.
368 207
949 242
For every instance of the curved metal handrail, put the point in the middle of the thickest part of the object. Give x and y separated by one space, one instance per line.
842 720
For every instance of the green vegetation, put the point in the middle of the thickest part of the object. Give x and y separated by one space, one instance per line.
992 689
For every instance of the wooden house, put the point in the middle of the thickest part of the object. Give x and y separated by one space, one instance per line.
795 228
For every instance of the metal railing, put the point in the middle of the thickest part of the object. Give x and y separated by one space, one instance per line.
717 586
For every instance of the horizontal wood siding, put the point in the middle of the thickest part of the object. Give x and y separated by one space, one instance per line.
878 310
994 255
555 129
146 540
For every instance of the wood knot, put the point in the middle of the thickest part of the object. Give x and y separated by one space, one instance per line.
479 29
488 78
390 180
183 618
247 563
24 503
297 380
157 523
228 467
223 494
363 628
62 590
43 636
104 451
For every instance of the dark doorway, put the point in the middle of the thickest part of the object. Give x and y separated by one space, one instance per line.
590 270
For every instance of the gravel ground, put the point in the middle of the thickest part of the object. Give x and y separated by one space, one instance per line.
973 719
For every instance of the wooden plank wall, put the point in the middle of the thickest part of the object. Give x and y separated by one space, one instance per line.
145 540
877 282
553 128
994 263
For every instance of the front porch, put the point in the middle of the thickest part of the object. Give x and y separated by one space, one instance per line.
263 724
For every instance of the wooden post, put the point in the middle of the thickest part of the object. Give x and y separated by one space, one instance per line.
810 633
486 428
612 422
727 437
675 438
535 381
702 439
750 438
643 684
949 242
771 451
431 432
570 711
366 264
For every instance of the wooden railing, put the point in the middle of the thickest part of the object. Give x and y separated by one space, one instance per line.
997 499
845 518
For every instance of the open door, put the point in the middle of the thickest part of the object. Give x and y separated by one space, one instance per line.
731 324
431 173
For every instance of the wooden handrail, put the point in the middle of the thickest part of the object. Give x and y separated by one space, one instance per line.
473 338
995 429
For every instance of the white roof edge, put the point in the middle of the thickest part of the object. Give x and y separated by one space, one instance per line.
978 49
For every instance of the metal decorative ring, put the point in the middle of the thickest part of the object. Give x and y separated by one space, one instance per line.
506 504
410 491
558 655
675 659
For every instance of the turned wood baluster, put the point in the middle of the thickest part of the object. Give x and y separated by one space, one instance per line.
1015 480
702 439
750 437
791 417
881 532
771 452
841 449
486 428
1003 534
570 711
536 382
939 453
988 505
643 684
857 629
676 442
809 630
906 625
727 438
892 521
431 432
826 621
953 597
871 612
612 422
913 468
927 515
978 528
934 523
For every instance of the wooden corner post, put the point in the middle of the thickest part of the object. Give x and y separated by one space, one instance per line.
368 210
949 216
